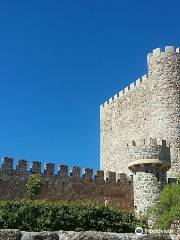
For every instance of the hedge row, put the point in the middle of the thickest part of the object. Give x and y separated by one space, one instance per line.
54 216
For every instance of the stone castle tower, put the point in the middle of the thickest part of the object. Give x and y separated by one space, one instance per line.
150 161
147 108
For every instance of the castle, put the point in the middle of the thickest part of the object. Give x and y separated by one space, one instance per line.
140 128
140 145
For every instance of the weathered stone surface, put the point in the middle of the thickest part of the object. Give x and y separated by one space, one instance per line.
10 235
146 189
95 236
149 164
40 236
118 193
62 235
149 109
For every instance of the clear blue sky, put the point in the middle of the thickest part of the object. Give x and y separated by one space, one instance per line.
59 60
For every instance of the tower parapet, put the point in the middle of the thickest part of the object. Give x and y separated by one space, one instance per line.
149 152
149 164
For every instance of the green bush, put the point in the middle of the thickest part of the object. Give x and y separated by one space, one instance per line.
33 186
168 208
53 216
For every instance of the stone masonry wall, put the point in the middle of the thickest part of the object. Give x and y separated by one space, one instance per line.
67 184
148 108
91 235
147 185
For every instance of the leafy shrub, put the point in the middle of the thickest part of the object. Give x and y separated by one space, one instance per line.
33 186
168 208
53 216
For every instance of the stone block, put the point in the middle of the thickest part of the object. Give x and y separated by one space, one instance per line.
88 173
75 172
49 169
40 236
7 166
21 169
10 234
35 167
111 177
63 171
99 176
156 51
169 49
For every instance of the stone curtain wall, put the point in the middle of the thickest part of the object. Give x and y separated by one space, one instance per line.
67 184
148 108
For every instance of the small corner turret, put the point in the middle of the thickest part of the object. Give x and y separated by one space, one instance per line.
150 160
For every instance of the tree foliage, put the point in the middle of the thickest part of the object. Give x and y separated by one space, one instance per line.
168 208
53 216
33 186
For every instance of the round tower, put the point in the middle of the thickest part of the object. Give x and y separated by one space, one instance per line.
164 79
150 160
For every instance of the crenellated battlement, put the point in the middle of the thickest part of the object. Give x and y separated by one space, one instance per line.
135 84
69 183
64 171
126 90
167 49
149 151
148 142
